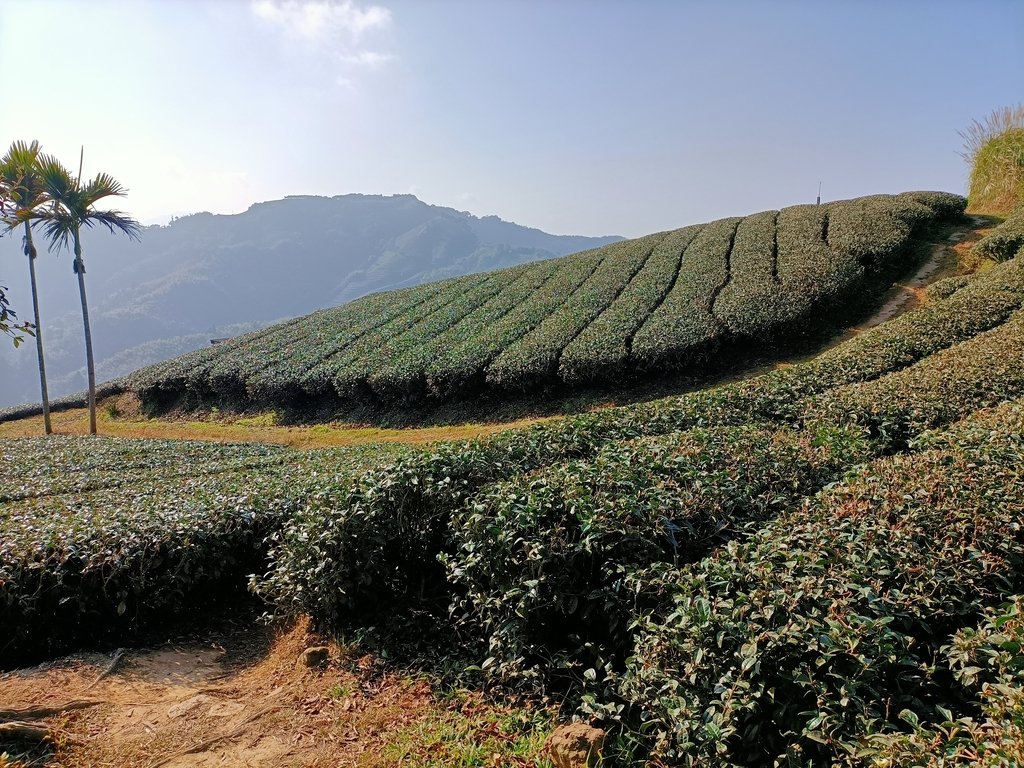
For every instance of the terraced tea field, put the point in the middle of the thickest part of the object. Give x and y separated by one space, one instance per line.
816 565
684 300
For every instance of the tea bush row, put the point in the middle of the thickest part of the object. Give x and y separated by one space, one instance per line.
646 305
101 537
539 562
533 360
602 349
1005 240
405 376
324 561
790 645
938 390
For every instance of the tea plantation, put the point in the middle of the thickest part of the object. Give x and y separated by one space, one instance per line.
817 565
686 300
820 565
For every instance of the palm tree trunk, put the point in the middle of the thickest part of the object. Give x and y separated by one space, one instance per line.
90 367
30 251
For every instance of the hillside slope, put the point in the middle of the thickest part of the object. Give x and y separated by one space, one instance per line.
679 300
790 569
205 276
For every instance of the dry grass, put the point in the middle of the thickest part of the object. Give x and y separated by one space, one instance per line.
187 704
119 417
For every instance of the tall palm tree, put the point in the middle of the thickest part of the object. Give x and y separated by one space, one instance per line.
19 171
72 205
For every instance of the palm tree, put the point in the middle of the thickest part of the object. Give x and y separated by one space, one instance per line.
19 171
72 206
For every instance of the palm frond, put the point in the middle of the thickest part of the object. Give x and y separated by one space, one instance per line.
104 185
22 154
59 229
57 179
19 175
114 221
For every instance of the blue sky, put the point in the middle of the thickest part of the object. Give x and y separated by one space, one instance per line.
575 117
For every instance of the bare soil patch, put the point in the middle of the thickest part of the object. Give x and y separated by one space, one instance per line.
230 701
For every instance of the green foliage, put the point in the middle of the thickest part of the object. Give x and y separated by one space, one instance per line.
542 561
943 289
1005 240
8 321
603 348
789 645
100 537
683 328
534 359
782 570
947 386
987 662
649 305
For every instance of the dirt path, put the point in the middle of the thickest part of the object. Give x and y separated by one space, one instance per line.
243 700
187 705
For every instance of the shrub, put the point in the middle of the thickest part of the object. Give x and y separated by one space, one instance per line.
943 388
602 349
533 360
1003 242
540 561
639 306
139 532
821 626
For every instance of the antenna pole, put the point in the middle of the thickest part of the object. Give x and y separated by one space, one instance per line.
819 194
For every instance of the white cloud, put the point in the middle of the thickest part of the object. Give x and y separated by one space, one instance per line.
337 29
323 20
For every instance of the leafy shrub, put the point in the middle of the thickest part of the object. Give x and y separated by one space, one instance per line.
645 305
683 326
822 625
462 368
534 359
943 289
541 561
945 387
101 537
988 663
602 349
1005 240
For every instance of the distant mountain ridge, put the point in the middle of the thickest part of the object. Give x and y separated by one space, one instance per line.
207 275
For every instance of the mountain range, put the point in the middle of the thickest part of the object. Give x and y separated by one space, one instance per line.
206 275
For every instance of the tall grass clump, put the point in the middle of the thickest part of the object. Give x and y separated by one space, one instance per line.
994 148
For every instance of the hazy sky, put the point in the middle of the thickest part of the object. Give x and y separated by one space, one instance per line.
575 117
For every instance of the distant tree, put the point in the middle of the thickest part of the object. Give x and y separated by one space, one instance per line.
8 326
19 170
71 206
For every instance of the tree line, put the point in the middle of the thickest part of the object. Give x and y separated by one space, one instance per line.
38 191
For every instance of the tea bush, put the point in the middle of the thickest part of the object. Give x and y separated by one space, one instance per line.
602 349
540 561
533 360
1005 240
648 305
945 387
788 646
100 537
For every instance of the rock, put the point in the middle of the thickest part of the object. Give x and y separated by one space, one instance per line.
576 746
315 657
